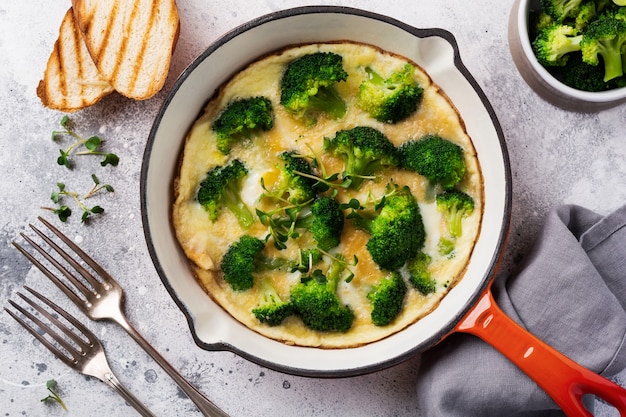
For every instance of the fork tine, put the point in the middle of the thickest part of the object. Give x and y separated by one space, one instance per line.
71 319
46 328
74 353
60 284
78 267
84 256
58 353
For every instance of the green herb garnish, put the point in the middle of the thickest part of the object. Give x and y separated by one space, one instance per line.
64 211
91 146
53 396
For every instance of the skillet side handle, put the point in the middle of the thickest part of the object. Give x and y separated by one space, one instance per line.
562 379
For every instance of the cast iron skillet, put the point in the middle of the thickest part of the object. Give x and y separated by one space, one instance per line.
469 307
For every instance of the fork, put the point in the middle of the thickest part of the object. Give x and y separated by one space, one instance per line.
102 299
85 354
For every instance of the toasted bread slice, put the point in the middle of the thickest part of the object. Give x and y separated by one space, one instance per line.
71 80
131 42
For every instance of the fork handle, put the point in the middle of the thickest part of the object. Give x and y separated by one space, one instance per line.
208 408
110 379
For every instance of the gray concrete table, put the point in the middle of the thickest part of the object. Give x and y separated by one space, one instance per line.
557 157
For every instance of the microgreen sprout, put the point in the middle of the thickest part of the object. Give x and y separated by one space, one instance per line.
281 224
354 206
63 211
306 260
53 395
358 209
344 262
325 181
91 144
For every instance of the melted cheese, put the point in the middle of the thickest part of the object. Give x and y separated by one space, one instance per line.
205 242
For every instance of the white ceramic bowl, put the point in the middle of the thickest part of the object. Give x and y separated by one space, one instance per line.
540 80
433 49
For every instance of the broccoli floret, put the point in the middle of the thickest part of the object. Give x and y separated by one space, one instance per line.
292 186
365 151
397 233
439 160
240 261
606 38
582 76
620 12
221 188
272 309
561 9
419 274
586 14
554 44
241 119
308 86
393 99
316 302
387 299
455 205
538 20
543 21
324 219
446 247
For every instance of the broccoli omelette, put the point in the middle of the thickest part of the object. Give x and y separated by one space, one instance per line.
328 195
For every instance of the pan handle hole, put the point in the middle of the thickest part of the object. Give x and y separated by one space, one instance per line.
599 407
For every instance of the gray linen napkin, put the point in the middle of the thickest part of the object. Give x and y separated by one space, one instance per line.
570 291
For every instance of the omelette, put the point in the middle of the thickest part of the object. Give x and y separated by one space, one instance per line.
206 240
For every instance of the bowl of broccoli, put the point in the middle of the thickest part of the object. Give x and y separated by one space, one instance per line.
571 52
396 232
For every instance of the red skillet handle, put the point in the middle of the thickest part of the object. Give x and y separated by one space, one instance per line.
561 378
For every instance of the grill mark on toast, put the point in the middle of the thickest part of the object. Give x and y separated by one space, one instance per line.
145 42
80 67
144 46
127 30
60 61
49 89
107 35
